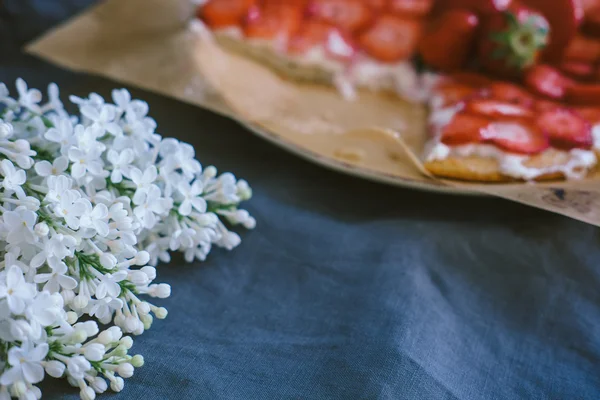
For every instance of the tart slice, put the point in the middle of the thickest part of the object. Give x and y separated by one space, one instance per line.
494 131
345 43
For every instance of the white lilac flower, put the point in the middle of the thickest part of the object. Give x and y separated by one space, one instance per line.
192 197
28 98
25 363
18 225
13 178
17 292
121 163
58 166
56 279
90 204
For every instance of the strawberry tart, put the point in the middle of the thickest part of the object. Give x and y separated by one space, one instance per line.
516 88
350 44
519 93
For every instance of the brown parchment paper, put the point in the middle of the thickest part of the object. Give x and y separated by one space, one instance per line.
156 45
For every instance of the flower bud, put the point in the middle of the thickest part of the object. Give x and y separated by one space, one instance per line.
117 384
125 370
71 317
94 351
161 312
143 308
142 258
120 351
116 333
139 329
137 361
6 130
210 172
131 323
250 223
149 271
79 336
19 388
162 291
105 337
87 393
41 229
146 320
138 278
54 368
91 328
99 385
108 261
127 342
80 302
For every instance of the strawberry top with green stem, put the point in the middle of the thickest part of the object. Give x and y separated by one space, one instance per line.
513 41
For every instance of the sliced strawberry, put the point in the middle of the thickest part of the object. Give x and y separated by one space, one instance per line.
391 38
577 69
542 105
566 129
376 5
224 13
346 14
464 129
484 7
584 94
584 49
497 109
410 8
314 34
513 94
523 137
564 17
590 114
273 22
453 93
547 81
447 44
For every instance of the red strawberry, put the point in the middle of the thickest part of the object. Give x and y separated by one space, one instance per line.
583 49
391 38
546 105
577 69
345 14
376 5
512 41
273 22
497 109
564 17
547 81
590 114
584 94
453 93
410 8
566 129
522 137
314 34
510 93
464 129
224 13
447 45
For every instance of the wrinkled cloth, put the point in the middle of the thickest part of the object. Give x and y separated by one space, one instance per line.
349 289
